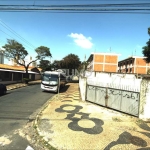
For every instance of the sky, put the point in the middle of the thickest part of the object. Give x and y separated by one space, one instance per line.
75 32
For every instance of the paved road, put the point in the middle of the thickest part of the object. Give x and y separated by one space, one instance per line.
15 109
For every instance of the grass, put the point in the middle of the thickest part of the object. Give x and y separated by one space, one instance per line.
116 119
41 140
139 121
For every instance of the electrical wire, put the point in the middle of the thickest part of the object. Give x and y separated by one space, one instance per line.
140 7
12 37
15 33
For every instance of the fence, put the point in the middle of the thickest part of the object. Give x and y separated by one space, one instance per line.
116 91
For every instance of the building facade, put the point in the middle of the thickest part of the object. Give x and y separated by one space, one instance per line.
133 64
17 73
103 62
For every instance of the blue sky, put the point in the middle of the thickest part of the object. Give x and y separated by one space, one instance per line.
77 33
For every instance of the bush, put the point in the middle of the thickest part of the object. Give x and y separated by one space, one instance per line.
26 80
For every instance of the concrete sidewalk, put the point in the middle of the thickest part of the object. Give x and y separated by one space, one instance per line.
70 124
19 85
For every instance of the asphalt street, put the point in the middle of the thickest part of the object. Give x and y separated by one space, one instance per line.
16 109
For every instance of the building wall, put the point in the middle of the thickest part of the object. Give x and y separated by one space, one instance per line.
110 68
141 66
140 61
111 59
133 65
105 62
98 58
98 67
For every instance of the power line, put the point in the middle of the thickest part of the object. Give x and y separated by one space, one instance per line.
100 7
140 7
73 0
147 10
82 5
15 33
79 12
10 36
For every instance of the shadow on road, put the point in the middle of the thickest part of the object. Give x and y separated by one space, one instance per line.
64 89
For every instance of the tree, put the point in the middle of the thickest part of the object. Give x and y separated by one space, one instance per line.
70 62
56 64
83 66
45 65
146 49
15 50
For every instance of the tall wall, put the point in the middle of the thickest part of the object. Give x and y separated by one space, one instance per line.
125 82
144 112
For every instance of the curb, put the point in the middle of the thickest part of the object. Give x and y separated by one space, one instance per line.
15 87
19 85
35 123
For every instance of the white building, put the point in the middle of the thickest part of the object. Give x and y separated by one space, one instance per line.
28 59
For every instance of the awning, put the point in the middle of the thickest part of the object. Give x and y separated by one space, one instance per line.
30 72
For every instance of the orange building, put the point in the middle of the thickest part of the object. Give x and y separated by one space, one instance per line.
133 64
105 62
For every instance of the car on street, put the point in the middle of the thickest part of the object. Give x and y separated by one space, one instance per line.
3 89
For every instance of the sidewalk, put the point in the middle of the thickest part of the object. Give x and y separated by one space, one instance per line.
19 85
70 124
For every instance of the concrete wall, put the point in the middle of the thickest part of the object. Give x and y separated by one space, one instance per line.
126 82
144 112
82 86
37 76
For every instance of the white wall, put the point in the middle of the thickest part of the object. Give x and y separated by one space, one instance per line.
124 82
144 112
82 86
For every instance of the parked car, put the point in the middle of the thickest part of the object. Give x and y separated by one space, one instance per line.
3 89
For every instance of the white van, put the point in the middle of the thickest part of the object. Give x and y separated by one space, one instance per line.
52 80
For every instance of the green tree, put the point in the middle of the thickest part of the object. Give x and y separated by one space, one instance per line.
146 49
70 62
16 51
45 65
83 66
56 64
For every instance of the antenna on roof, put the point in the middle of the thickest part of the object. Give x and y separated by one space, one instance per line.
110 49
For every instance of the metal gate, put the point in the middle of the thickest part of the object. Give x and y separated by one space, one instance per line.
118 99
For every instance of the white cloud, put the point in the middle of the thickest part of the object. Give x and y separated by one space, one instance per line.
81 40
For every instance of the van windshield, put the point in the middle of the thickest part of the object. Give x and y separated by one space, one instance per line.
51 79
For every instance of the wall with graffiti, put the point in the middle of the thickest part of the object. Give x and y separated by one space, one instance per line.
123 92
